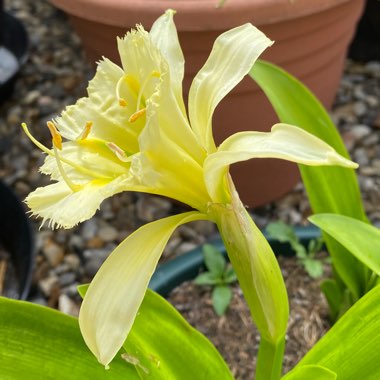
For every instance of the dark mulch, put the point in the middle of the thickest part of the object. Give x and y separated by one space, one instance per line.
234 335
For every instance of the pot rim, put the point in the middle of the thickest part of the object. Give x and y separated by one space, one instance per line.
194 15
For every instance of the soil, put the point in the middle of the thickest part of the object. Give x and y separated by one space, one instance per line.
235 336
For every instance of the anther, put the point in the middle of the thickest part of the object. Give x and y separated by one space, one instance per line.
120 154
135 116
85 132
122 102
57 139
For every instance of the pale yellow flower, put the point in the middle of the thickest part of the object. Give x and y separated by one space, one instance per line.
132 133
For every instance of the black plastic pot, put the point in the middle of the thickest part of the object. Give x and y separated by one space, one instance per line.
13 51
365 45
16 239
186 267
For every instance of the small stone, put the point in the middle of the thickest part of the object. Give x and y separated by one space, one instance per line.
76 242
186 247
368 171
89 228
359 109
151 208
361 157
66 279
371 139
360 131
31 97
53 253
95 242
48 284
67 306
72 260
108 233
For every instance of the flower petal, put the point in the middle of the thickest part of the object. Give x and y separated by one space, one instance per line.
165 162
101 107
115 294
65 208
285 142
164 36
233 54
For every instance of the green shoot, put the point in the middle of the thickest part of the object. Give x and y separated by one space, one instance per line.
219 275
306 257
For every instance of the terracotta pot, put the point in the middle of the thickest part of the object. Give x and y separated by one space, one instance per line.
311 37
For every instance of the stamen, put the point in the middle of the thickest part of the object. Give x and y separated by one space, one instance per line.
80 169
120 154
135 116
57 139
74 187
86 131
36 142
153 74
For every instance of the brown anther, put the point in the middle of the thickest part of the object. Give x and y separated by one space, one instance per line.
137 115
57 139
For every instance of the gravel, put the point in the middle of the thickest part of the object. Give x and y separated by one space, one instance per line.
55 75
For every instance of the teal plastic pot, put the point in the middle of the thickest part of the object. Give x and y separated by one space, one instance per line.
187 266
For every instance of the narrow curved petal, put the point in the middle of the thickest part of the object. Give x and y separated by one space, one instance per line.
62 207
233 55
115 294
164 36
285 142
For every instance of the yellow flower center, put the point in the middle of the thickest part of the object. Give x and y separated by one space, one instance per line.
134 87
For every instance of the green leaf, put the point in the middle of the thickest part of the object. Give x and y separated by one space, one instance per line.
334 296
41 343
230 275
281 232
214 260
351 347
314 372
221 298
313 267
330 189
206 278
166 345
361 239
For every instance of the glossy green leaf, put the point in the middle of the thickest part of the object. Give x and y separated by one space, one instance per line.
361 239
312 372
351 347
221 298
41 343
168 347
330 189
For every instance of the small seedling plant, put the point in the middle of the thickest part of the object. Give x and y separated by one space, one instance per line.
306 256
220 275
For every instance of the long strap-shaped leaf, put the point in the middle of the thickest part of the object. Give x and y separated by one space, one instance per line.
351 347
330 189
40 343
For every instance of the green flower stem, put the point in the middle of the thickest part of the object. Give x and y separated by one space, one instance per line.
269 360
258 273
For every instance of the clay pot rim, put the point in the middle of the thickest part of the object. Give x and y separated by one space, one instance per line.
193 15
